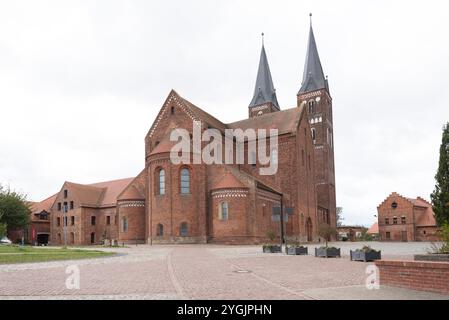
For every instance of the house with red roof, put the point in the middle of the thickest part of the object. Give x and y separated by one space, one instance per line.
406 219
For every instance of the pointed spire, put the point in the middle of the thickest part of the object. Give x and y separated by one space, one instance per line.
313 77
264 90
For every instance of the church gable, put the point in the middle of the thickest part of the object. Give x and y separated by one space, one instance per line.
177 113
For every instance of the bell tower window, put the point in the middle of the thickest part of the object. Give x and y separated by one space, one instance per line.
311 104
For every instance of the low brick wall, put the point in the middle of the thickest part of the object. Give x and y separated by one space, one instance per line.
417 275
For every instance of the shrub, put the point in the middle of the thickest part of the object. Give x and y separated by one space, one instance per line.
271 235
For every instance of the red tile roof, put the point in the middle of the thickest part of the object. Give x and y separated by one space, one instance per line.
374 229
228 181
113 189
44 205
100 193
426 218
284 121
164 146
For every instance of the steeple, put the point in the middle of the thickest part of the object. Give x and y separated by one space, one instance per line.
264 92
313 77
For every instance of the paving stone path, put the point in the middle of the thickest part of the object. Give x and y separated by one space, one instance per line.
206 272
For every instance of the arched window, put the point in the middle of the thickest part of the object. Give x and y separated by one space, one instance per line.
160 181
185 181
313 134
124 224
311 104
159 230
274 156
223 211
183 230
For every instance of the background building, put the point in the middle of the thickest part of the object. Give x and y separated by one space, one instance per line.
406 219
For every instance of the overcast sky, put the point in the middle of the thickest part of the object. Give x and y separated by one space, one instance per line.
82 81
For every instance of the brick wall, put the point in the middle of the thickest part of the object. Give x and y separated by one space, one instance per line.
425 276
399 231
134 213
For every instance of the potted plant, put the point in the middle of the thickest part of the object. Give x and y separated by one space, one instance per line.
271 248
365 254
326 231
295 248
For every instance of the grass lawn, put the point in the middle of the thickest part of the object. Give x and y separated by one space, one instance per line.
16 254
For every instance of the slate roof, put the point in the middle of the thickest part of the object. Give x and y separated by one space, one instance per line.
313 77
264 90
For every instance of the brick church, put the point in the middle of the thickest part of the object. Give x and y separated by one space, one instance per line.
218 203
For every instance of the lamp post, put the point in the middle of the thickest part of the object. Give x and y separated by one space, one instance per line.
64 210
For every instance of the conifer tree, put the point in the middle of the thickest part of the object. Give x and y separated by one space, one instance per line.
440 196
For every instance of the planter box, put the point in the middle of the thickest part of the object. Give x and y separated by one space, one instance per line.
365 256
432 257
327 252
298 251
272 249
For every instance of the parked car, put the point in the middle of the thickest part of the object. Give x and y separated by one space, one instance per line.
5 241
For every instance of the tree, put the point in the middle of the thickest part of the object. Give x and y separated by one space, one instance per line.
440 195
14 209
326 231
2 228
340 218
365 236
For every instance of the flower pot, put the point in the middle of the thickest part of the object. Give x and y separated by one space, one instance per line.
327 252
298 251
360 255
272 249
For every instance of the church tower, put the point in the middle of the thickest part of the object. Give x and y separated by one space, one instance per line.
314 95
264 99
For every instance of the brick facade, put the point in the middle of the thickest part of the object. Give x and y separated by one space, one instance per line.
318 105
406 219
184 203
416 275
134 210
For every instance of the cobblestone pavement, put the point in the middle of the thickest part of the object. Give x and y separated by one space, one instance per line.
207 272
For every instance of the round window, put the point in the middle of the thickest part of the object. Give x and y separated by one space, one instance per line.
394 205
